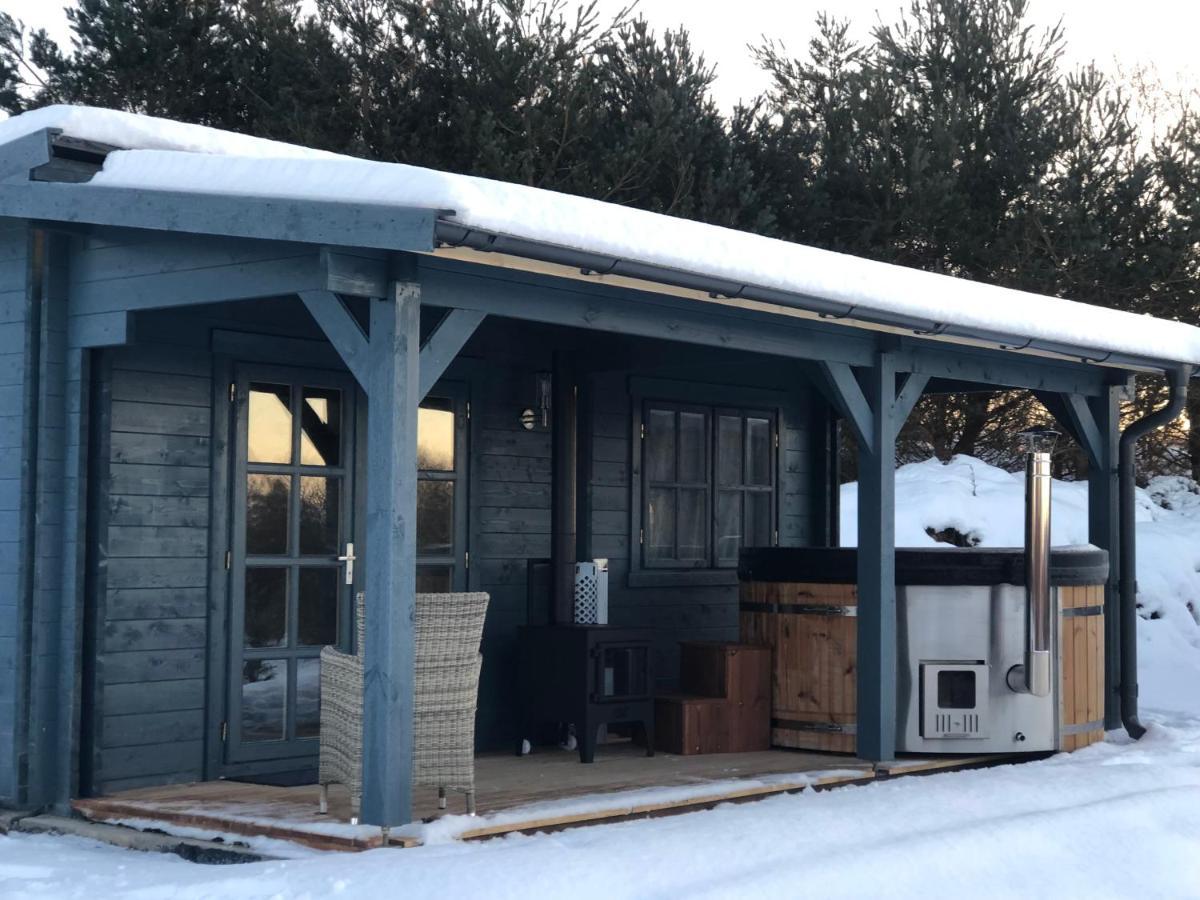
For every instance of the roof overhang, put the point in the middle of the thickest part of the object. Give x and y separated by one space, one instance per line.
44 177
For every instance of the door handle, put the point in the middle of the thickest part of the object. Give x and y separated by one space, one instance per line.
348 559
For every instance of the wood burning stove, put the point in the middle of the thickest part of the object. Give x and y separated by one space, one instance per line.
586 675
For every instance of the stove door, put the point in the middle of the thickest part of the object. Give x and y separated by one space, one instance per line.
622 672
954 699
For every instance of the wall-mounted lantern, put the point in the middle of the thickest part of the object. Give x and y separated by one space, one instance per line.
539 414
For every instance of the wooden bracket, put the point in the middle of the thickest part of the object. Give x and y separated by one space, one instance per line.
342 330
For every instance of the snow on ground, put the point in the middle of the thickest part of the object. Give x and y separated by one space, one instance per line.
1119 819
165 155
1115 820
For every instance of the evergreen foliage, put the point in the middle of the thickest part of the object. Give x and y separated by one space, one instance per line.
953 139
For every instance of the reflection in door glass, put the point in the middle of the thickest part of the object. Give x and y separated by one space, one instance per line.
308 697
435 436
320 504
264 699
267 514
321 427
266 605
317 615
269 433
435 518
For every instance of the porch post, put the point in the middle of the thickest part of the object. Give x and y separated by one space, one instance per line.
877 566
390 583
1104 531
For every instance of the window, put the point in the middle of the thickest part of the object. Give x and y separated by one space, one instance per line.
440 499
707 484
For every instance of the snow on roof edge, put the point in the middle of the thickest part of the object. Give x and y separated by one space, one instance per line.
168 155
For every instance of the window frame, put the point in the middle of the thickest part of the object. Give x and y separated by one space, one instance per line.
454 394
713 399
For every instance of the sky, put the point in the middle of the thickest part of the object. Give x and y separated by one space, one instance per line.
1114 33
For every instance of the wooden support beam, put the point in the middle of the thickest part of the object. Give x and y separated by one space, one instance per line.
908 395
342 330
447 339
24 154
236 280
1087 430
877 629
355 273
1002 369
618 310
322 222
390 582
847 395
1104 530
99 330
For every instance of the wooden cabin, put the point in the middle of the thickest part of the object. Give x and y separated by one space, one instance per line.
457 401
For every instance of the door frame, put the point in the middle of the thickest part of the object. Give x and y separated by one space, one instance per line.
230 350
284 752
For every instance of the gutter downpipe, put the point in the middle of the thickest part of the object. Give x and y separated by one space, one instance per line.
1127 469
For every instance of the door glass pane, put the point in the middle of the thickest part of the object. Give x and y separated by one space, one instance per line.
660 524
321 427
758 520
758 451
729 450
267 513
269 432
320 514
693 524
693 444
266 607
434 579
264 699
435 436
729 526
308 697
435 518
317 616
660 445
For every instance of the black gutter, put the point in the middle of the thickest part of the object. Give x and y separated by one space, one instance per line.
454 235
1127 469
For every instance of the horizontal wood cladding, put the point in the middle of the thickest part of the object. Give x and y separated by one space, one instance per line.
151 630
509 523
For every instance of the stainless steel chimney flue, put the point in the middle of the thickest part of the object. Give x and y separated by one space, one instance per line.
1033 676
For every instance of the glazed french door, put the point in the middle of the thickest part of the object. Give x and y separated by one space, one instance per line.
291 560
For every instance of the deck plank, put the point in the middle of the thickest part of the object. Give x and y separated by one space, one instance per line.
538 792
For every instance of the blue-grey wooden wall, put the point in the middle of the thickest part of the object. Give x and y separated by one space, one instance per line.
14 302
149 682
510 477
150 571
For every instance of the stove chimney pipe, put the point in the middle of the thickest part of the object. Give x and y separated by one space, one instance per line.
1033 676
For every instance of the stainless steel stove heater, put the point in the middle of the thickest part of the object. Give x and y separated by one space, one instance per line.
978 666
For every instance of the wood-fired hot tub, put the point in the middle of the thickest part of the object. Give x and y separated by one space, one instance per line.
802 602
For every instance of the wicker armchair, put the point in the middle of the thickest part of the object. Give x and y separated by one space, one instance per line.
448 631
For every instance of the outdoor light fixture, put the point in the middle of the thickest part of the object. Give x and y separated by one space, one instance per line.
538 416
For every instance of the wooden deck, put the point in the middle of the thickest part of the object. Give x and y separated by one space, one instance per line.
544 791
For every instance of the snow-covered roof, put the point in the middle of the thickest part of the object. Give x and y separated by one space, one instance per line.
167 155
